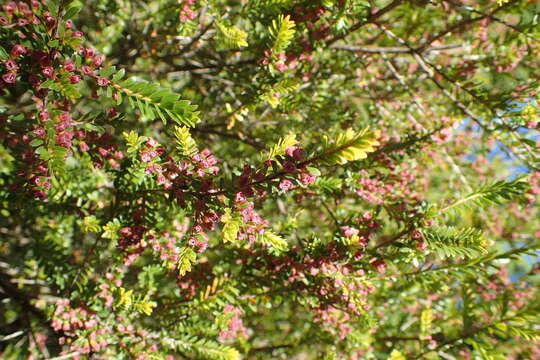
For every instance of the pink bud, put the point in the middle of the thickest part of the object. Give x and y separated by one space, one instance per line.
69 66
74 79
102 82
9 77
18 50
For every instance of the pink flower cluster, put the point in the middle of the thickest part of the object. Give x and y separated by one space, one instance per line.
74 322
235 326
34 62
166 247
200 168
130 241
186 11
254 223
335 321
372 190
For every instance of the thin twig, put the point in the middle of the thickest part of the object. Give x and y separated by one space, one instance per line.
393 49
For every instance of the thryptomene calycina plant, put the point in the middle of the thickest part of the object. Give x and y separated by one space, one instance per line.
269 179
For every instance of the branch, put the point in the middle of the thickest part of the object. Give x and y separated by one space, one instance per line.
21 298
369 19
393 49
452 28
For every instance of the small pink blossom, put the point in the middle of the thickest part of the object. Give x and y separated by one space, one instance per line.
307 179
74 79
102 81
285 185
48 72
69 66
349 231
9 77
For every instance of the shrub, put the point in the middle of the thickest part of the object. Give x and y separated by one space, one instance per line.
269 179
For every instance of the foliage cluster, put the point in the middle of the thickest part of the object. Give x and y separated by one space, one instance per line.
269 179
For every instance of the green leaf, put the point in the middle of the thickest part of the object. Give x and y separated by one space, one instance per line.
3 54
276 243
493 194
231 226
184 142
452 242
71 12
107 71
396 355
201 348
91 224
150 100
186 259
36 142
282 145
231 37
426 318
349 146
119 75
282 32
110 230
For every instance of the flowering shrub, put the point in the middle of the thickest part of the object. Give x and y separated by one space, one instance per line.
269 179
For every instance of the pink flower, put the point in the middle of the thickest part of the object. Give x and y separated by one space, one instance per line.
86 70
64 117
289 150
48 72
281 67
103 152
39 132
69 66
102 82
22 22
39 194
83 146
9 77
285 185
64 139
379 266
349 231
118 155
240 198
145 156
97 61
307 179
11 65
74 79
49 20
18 50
